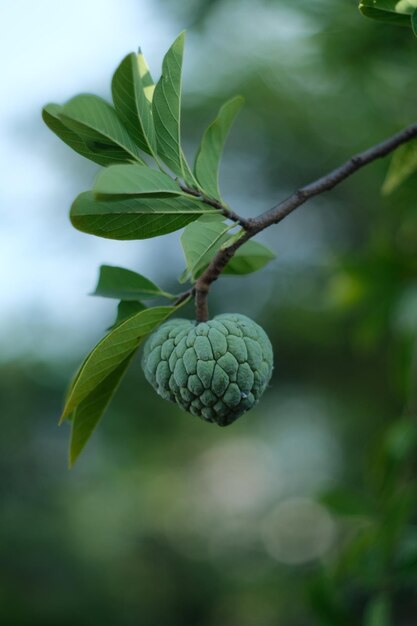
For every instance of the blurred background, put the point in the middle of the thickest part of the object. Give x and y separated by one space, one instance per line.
304 511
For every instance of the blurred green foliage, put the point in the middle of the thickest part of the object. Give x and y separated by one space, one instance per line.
305 511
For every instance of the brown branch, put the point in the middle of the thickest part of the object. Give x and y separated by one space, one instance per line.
253 226
224 210
183 296
204 282
327 182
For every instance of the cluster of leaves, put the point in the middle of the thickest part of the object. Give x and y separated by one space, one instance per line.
146 189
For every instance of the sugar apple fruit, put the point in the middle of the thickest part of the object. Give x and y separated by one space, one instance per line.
216 370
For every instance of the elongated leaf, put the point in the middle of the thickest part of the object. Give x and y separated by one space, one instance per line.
234 238
392 6
389 11
51 116
111 352
145 74
89 412
414 22
125 309
135 180
403 164
132 103
396 19
73 381
207 162
251 257
123 284
93 119
198 241
134 218
102 371
166 106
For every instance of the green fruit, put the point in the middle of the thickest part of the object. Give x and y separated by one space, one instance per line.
216 370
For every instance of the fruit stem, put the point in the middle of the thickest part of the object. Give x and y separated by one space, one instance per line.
201 306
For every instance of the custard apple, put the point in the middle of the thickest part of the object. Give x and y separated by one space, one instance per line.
216 370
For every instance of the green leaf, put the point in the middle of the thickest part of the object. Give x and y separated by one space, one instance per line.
146 77
232 239
207 162
134 218
414 22
403 164
93 119
90 410
383 5
166 105
384 16
123 284
102 371
134 180
51 116
73 381
378 612
251 257
125 309
405 7
132 101
111 352
389 11
199 240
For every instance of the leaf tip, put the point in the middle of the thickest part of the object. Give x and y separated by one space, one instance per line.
180 41
414 22
72 457
64 415
45 109
240 99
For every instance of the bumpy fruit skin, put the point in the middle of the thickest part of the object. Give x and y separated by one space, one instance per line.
216 370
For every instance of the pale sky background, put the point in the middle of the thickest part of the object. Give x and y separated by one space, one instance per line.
50 51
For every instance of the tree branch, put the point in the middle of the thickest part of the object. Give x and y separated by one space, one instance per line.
327 182
276 214
183 296
226 211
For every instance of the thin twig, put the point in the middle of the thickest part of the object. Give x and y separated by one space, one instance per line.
224 210
183 296
327 182
253 226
